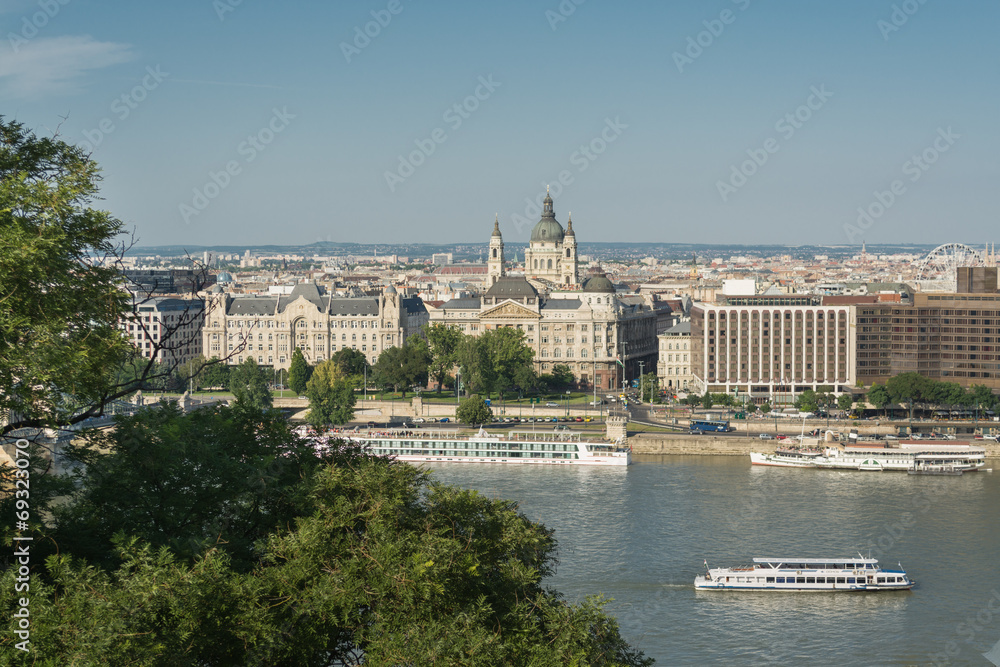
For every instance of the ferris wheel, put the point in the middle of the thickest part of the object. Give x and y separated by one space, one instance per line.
940 266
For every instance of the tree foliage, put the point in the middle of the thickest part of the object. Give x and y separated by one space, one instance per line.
299 372
473 410
331 396
59 309
846 401
351 362
443 342
274 554
249 384
402 367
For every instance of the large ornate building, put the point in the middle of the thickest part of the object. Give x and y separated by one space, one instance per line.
551 253
269 328
586 327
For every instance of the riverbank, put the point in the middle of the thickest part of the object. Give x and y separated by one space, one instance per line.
643 443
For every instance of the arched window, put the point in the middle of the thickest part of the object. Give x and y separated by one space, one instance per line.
536 263
494 253
567 252
550 263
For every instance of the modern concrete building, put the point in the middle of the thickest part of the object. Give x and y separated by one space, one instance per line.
772 347
268 328
167 329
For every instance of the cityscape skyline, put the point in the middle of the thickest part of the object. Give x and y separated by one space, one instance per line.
775 124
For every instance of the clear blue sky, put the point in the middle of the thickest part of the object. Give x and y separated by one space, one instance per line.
323 174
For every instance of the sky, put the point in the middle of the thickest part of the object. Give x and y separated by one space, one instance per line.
229 122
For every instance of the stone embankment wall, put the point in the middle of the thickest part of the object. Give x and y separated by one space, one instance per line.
728 445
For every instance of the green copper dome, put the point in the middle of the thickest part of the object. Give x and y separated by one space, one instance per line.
548 229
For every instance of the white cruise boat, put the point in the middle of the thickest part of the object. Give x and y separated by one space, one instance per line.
805 574
546 448
917 457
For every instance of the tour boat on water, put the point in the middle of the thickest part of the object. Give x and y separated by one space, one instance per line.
805 574
551 448
916 457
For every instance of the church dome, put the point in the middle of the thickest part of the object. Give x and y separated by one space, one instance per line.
599 283
548 229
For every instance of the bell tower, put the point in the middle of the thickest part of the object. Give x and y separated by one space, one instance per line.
495 263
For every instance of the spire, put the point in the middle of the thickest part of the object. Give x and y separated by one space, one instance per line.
496 226
569 226
547 210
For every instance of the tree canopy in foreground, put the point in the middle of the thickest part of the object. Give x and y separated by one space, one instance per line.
220 538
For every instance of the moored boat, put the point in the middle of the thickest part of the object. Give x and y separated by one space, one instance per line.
805 574
918 457
444 446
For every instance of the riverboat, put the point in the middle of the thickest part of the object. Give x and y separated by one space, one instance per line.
442 446
916 457
805 574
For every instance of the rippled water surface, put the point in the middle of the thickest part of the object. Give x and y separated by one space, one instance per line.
639 535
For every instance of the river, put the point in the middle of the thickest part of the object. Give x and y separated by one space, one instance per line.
640 535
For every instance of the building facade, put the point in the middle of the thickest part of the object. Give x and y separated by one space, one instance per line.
946 337
166 329
674 365
602 338
773 352
269 328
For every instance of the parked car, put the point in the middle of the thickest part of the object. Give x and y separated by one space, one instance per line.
551 404
597 402
766 436
420 420
560 427
781 437
578 419
445 419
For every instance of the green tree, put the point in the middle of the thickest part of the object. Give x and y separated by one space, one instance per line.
443 341
249 384
910 389
499 353
473 410
351 362
299 372
846 401
62 291
331 396
708 401
766 408
274 556
401 367
216 373
562 377
878 396
649 387
807 401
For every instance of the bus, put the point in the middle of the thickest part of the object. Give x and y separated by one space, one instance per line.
709 426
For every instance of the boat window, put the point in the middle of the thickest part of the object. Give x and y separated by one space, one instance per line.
881 580
840 580
781 580
810 580
769 580
800 580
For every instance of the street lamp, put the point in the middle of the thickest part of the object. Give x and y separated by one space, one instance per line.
641 364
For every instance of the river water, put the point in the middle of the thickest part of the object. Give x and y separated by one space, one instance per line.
640 535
